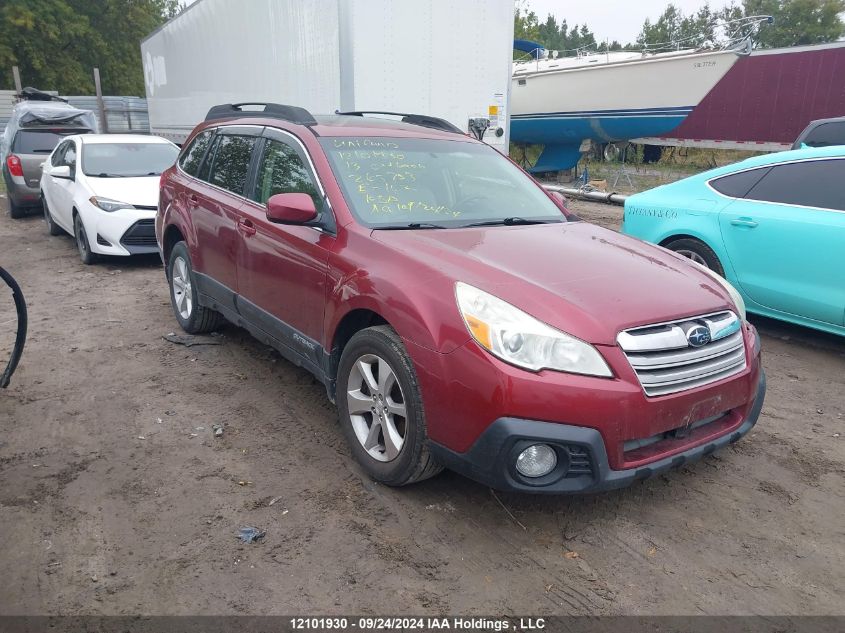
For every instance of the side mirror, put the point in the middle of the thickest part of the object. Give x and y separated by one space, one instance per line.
63 171
291 208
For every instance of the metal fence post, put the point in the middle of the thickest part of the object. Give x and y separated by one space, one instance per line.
16 73
101 106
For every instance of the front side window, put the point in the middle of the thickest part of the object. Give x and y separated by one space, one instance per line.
70 158
191 158
281 170
127 160
812 183
58 155
401 181
231 162
826 134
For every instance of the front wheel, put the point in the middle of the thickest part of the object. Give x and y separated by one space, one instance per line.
381 409
698 252
82 242
192 317
52 227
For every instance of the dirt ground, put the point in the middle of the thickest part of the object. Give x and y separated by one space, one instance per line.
116 498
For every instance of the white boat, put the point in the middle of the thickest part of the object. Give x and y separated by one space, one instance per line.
607 97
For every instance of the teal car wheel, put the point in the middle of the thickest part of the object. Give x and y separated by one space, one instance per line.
698 252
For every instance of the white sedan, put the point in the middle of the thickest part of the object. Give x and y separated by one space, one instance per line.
103 190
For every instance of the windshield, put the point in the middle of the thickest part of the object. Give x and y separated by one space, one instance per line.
396 182
125 160
39 141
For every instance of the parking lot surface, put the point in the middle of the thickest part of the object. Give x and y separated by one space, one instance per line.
117 498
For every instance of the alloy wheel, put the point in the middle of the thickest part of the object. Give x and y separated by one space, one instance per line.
698 259
377 408
183 292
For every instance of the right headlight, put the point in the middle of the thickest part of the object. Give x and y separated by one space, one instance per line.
107 204
518 338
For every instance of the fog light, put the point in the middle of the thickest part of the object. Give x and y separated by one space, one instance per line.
536 460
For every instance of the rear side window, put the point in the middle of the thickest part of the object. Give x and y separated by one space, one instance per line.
231 162
281 170
738 185
38 141
192 157
817 183
826 134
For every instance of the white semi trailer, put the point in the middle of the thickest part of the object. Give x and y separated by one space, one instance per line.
443 58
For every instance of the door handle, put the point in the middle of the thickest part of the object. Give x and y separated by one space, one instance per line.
193 200
246 227
746 222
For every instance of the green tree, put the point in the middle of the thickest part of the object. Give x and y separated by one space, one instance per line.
796 22
57 43
550 34
673 27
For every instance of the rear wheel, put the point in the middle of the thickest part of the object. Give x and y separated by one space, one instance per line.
82 243
381 409
16 211
52 227
192 317
698 252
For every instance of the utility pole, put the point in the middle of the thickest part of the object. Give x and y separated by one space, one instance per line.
16 73
101 106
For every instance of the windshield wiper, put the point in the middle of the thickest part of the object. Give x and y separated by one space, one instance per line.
514 221
411 226
105 175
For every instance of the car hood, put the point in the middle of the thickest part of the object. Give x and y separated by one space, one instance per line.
588 281
138 191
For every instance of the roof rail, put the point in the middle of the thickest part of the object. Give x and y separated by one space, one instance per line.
414 119
292 114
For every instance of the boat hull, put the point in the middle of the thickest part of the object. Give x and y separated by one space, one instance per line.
607 102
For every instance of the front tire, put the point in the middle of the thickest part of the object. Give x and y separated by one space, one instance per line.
381 409
698 252
82 242
192 317
52 227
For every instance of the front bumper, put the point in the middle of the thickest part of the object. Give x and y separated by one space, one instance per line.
490 460
122 232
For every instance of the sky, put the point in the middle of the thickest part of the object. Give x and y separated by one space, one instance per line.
619 20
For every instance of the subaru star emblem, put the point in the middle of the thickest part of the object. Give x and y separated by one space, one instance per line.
698 336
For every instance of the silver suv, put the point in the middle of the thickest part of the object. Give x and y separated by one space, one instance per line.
33 131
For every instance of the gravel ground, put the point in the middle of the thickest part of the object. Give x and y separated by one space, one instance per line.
116 498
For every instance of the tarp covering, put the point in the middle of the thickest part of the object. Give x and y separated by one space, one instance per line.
527 46
29 114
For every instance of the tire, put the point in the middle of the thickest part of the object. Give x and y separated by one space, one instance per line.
15 211
52 227
83 245
380 352
697 251
192 317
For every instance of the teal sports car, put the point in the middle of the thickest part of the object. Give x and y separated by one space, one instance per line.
773 226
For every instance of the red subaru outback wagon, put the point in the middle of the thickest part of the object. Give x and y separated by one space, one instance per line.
456 312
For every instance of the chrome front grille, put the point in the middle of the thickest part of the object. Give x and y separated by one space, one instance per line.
667 362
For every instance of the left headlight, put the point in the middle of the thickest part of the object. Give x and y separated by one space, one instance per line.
107 204
518 338
739 302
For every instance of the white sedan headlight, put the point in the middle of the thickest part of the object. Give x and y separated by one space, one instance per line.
728 286
518 338
107 204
